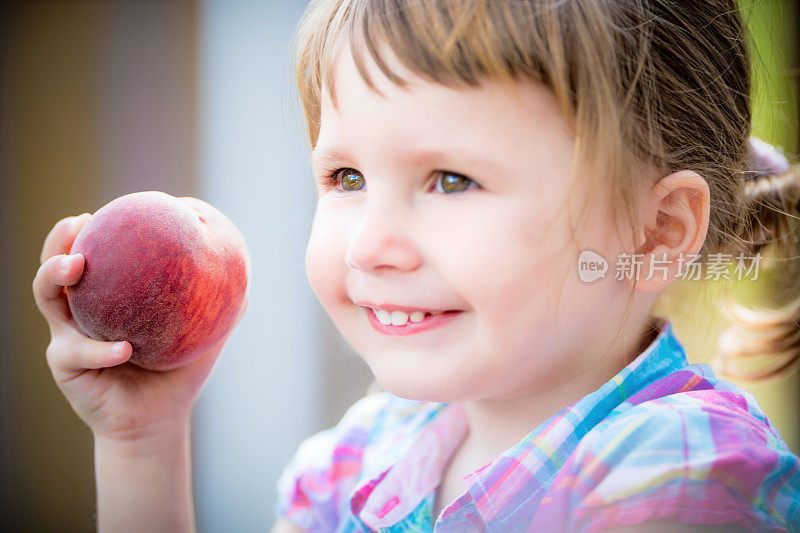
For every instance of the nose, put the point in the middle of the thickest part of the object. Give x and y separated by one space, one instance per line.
383 238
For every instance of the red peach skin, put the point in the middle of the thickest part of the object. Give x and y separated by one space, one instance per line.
169 275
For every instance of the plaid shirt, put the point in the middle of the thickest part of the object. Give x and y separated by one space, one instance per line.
661 440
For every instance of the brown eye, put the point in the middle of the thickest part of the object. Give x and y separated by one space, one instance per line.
348 177
453 182
351 178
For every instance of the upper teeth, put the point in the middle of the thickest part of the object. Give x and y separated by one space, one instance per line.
398 318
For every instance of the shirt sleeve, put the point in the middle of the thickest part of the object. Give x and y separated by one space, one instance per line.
315 485
691 458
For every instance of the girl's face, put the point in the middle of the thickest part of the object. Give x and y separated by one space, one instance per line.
449 200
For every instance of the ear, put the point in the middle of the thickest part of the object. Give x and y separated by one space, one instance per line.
675 224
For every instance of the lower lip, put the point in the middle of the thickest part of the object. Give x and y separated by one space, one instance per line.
429 322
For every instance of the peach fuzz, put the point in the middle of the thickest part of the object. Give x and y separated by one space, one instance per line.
169 275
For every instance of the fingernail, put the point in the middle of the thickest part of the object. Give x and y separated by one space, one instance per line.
117 348
64 264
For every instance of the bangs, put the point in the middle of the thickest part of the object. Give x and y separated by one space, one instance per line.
450 42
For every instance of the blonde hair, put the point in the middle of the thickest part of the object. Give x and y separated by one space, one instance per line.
647 88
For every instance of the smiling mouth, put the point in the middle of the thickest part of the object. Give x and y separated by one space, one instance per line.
401 318
401 323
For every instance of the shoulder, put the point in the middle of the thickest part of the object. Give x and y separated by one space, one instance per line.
697 457
315 484
705 421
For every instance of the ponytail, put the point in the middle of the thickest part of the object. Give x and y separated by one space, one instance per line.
770 223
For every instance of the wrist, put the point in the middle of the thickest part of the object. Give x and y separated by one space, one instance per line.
145 484
167 437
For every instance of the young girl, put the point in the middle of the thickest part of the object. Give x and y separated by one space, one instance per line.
504 189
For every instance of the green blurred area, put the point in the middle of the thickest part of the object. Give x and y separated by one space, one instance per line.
694 307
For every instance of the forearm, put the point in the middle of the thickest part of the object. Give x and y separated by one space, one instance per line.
145 486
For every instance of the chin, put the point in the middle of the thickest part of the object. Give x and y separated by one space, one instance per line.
419 386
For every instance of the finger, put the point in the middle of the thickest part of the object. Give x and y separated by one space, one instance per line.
67 354
51 277
61 237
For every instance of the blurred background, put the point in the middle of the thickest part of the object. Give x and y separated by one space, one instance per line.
196 98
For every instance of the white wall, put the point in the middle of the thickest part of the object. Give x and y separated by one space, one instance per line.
265 392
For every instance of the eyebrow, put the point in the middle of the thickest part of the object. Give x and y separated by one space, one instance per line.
419 157
328 154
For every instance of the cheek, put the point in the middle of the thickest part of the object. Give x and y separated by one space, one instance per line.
508 265
324 263
527 286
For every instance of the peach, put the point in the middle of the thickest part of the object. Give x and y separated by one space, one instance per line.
170 275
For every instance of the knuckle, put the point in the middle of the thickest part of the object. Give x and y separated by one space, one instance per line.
53 351
74 345
53 265
36 278
42 268
65 346
42 274
38 285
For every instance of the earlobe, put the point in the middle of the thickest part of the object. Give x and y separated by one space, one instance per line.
675 227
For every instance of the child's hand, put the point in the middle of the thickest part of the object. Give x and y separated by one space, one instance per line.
116 399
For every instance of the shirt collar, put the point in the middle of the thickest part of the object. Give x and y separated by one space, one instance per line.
417 463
